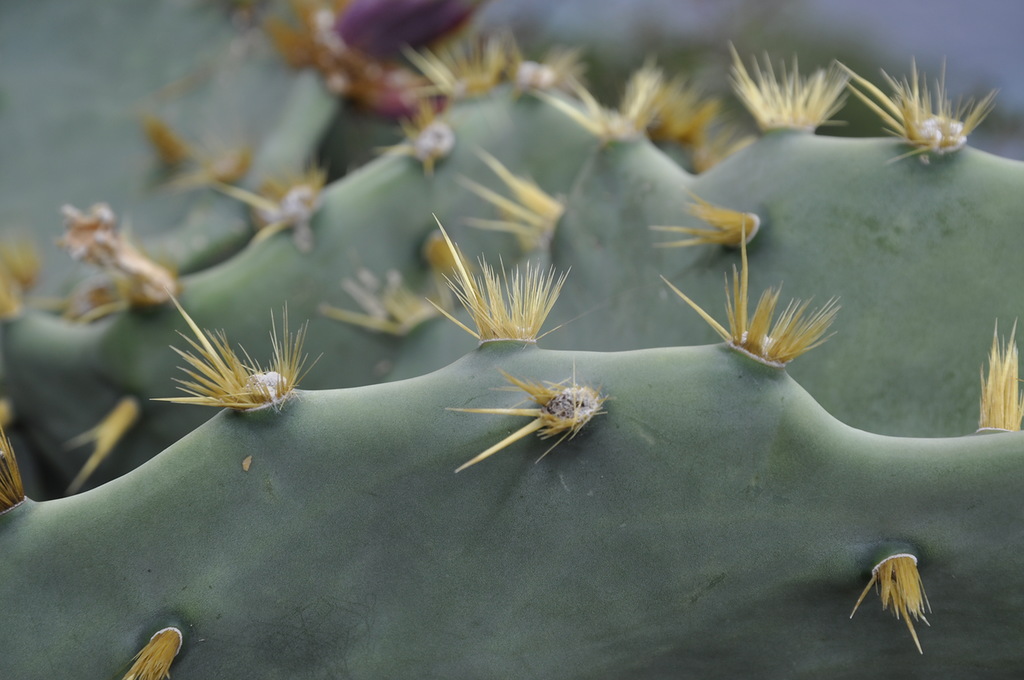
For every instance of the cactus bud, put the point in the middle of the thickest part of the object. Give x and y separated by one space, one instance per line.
381 28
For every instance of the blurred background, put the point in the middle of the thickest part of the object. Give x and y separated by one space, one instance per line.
77 77
979 42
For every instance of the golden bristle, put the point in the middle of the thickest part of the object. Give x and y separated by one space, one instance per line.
153 662
296 45
286 202
1002 404
12 492
6 412
639 103
439 256
105 435
214 165
562 410
794 333
94 238
428 137
170 148
226 165
558 70
467 69
531 216
900 586
636 112
717 146
441 260
727 227
509 307
21 259
220 378
789 101
204 165
392 308
277 188
10 296
930 125
684 115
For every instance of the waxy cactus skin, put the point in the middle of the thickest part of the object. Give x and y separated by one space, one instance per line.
713 498
710 515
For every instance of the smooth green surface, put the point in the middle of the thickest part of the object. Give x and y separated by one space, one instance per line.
75 79
714 521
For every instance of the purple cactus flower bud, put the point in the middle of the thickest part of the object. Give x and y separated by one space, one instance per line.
381 28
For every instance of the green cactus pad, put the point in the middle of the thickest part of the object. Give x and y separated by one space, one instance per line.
714 520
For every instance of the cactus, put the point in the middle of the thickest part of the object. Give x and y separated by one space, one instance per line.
177 74
891 228
715 516
702 494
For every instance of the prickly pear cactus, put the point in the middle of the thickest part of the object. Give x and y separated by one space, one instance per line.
714 518
627 504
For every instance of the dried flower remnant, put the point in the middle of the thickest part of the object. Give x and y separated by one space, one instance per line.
930 125
561 410
353 46
900 586
93 237
792 334
788 101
